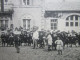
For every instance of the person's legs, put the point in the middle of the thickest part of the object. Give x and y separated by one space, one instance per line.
2 43
33 44
61 52
58 52
36 44
49 47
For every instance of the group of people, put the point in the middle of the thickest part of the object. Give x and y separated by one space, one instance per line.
39 39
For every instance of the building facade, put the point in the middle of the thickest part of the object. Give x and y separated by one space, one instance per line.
26 14
63 16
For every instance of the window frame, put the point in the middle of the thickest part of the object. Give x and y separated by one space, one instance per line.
71 24
6 0
67 24
28 2
76 17
76 24
73 21
53 22
71 17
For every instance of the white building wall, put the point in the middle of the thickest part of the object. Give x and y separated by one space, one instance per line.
48 24
61 24
22 13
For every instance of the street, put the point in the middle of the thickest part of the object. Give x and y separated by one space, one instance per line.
27 53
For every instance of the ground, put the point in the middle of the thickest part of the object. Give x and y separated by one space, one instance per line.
27 53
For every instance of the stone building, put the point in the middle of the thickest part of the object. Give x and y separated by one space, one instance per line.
63 16
25 14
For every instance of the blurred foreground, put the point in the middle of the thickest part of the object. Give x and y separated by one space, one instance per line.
27 53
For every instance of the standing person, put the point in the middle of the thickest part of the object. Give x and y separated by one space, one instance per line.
35 39
11 39
59 46
41 40
21 39
7 38
70 40
25 39
17 38
31 40
3 39
49 37
28 39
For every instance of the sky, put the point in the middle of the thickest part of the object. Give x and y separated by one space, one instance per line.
62 0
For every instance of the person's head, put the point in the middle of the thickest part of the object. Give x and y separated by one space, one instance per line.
58 38
2 33
6 33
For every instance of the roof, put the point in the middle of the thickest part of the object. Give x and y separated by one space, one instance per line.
63 6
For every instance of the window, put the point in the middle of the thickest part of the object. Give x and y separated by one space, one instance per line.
67 23
6 0
28 2
71 23
76 23
67 18
24 1
51 24
55 28
76 17
54 24
53 20
6 23
28 24
52 28
24 23
71 17
2 23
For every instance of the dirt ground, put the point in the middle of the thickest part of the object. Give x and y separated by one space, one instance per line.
27 53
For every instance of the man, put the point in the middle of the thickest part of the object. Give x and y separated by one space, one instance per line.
11 39
17 38
59 46
35 39
7 38
21 39
41 40
25 39
49 37
3 39
28 39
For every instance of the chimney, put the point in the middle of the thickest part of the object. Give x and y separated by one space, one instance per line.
2 5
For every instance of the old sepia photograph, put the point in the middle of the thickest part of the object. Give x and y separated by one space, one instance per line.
39 29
